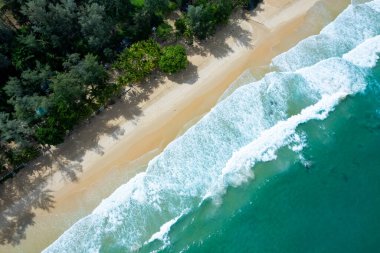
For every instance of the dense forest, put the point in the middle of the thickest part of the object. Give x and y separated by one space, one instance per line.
56 58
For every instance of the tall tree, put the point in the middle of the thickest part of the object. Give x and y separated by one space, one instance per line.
118 9
6 36
75 94
156 6
28 93
95 26
56 23
14 130
27 50
201 21
94 78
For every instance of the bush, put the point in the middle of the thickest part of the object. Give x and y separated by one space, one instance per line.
173 59
180 25
24 155
138 61
164 31
204 16
172 6
202 21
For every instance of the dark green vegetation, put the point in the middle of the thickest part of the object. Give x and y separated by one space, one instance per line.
173 59
56 57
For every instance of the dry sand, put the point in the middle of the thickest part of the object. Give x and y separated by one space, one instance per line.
64 185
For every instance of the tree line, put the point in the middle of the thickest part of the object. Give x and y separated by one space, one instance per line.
56 57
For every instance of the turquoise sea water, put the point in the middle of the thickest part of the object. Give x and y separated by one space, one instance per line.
331 205
289 163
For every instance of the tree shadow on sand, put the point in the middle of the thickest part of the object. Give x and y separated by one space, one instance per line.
17 204
218 45
190 76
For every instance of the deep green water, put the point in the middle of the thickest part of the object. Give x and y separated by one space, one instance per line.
288 163
332 205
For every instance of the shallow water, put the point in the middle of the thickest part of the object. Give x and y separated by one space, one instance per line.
284 164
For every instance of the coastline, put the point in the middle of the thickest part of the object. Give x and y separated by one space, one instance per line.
132 139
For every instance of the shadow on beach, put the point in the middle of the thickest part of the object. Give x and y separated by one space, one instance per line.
28 191
217 45
18 200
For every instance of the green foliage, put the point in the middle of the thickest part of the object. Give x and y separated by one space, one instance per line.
50 133
68 101
31 82
221 10
27 93
138 3
6 33
26 51
172 6
4 61
119 10
136 62
242 3
173 59
55 23
164 32
74 94
95 26
6 37
204 16
181 25
156 6
23 155
142 25
201 22
92 75
13 130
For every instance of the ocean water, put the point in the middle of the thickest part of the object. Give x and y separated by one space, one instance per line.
288 163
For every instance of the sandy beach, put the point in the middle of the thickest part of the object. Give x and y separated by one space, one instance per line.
67 183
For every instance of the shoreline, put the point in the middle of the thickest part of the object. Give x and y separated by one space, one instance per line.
93 170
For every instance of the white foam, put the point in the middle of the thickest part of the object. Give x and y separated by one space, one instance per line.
346 77
298 142
366 54
353 26
162 235
238 169
122 194
374 5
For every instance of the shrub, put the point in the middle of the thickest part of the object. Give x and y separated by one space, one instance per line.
180 25
138 61
164 31
173 59
24 155
172 6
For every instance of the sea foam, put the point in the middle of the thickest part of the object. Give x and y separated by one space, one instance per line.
366 54
353 26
